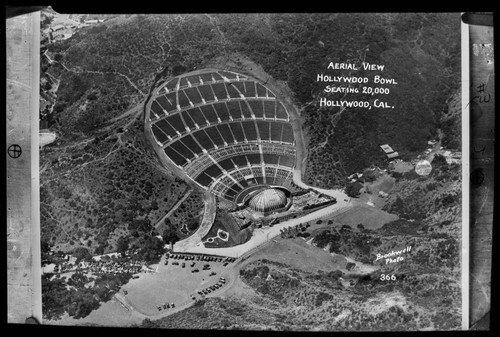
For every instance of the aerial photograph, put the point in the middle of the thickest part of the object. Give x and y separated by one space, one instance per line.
251 171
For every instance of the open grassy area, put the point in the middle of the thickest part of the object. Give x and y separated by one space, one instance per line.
300 255
369 217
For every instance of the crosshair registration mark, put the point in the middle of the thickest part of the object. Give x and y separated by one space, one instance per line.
14 151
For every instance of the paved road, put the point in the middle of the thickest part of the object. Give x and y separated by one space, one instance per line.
261 235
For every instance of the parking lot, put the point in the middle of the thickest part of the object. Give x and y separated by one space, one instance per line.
178 280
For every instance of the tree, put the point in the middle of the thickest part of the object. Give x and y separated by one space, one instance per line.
45 250
81 253
353 189
150 248
122 244
170 235
54 295
192 224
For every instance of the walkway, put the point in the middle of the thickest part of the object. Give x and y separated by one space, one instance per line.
173 209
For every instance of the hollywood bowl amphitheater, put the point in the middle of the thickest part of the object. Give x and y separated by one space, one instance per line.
229 135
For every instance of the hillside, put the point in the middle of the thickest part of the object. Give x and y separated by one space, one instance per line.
424 294
110 67
103 188
97 190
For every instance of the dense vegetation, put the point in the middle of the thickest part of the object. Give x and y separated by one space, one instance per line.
114 65
186 218
79 292
417 197
420 51
106 188
108 68
79 300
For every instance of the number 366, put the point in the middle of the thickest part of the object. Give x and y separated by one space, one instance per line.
384 277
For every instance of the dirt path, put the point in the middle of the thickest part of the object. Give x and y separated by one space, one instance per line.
174 208
78 71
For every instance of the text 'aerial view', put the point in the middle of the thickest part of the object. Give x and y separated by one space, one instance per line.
296 172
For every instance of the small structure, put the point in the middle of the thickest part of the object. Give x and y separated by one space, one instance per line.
386 148
392 155
389 152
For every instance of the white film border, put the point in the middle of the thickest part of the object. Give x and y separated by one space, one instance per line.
23 208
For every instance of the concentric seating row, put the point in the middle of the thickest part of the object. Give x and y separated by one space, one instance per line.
271 152
210 77
240 162
229 185
191 145
260 101
227 132
224 134
195 118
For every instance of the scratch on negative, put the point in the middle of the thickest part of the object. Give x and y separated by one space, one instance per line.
19 84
